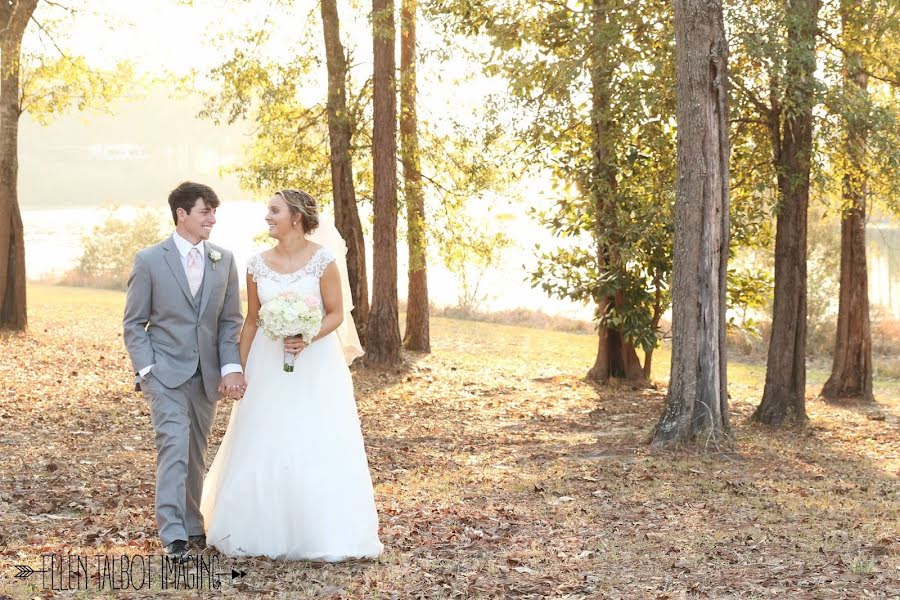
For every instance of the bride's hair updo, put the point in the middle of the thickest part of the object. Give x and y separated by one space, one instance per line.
303 205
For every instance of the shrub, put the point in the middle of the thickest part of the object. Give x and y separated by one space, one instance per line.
108 252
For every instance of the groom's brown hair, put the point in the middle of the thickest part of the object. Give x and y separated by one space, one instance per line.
186 194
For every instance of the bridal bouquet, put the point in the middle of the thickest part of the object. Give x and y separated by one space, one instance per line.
288 315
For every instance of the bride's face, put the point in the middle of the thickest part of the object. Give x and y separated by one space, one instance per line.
279 218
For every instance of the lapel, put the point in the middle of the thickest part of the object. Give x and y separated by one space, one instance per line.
173 257
208 279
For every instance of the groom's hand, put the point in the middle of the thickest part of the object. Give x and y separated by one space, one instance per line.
233 386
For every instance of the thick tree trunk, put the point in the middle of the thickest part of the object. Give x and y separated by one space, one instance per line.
697 402
600 372
13 315
383 347
417 336
615 357
340 128
851 371
784 396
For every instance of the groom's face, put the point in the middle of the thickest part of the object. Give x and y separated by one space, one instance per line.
199 222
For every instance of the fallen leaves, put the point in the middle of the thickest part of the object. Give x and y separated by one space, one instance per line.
498 473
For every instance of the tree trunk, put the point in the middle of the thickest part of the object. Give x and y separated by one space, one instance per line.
340 128
417 336
784 396
648 363
657 314
600 372
13 314
383 332
615 356
851 371
696 406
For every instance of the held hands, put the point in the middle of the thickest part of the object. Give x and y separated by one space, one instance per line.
233 386
295 345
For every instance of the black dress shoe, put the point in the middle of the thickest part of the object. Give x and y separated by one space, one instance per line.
176 549
197 542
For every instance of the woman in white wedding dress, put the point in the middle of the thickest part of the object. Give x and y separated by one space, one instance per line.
291 479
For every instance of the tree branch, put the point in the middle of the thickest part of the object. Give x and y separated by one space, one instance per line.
564 6
764 109
892 79
68 9
50 36
750 121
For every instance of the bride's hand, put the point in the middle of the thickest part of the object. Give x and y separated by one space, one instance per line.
294 345
233 386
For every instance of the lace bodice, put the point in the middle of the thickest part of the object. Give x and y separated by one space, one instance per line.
270 283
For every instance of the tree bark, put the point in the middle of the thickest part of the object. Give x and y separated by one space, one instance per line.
851 371
696 406
383 332
13 313
340 131
657 314
417 336
615 356
784 396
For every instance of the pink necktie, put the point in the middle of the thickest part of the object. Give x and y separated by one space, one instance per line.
194 270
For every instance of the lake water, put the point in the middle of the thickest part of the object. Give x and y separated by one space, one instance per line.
883 254
53 246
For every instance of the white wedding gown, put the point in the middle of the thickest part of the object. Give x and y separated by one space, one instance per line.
291 479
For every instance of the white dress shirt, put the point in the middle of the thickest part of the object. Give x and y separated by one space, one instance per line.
184 248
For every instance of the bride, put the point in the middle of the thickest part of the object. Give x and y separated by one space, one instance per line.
291 479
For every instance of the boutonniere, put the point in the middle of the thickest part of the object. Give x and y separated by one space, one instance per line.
215 256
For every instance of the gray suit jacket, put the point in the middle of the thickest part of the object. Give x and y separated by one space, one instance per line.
162 325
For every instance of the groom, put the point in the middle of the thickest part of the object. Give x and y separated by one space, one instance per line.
181 327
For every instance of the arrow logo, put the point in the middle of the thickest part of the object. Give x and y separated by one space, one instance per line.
235 574
24 571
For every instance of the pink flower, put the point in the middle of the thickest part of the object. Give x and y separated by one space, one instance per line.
312 301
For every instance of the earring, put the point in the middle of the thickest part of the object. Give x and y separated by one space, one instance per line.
293 222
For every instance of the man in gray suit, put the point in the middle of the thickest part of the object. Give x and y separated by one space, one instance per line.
181 326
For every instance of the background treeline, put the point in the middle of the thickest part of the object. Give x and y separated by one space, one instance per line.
592 97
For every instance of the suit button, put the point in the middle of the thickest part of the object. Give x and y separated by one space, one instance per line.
195 351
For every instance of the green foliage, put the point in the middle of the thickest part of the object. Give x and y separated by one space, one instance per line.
759 67
49 87
52 79
108 252
290 146
468 249
748 292
545 52
861 36
823 273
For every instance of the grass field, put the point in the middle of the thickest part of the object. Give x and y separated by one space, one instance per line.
499 472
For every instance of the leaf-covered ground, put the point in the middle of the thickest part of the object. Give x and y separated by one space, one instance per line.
498 473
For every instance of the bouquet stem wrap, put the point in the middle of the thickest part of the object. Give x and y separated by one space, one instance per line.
288 315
